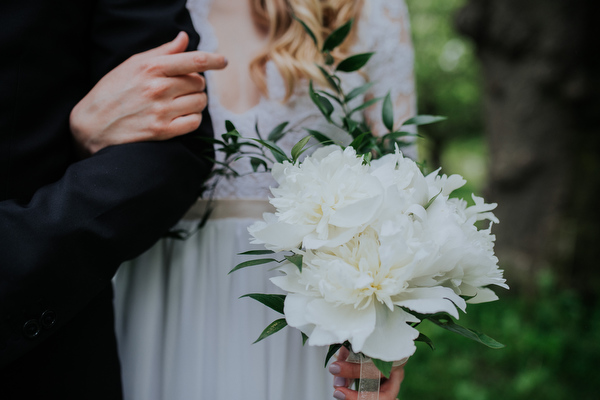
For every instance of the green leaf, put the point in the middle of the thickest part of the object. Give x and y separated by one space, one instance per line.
273 327
384 366
387 112
329 60
332 350
277 132
295 259
257 162
279 154
354 62
229 126
358 91
430 202
365 105
273 301
321 102
331 96
423 120
357 142
446 322
307 29
337 37
251 263
329 79
319 136
426 340
298 148
256 252
304 338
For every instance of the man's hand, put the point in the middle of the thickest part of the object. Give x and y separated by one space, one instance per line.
155 95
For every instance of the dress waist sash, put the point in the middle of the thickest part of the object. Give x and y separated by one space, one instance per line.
230 208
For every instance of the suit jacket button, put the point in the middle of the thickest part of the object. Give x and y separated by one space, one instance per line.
31 329
48 319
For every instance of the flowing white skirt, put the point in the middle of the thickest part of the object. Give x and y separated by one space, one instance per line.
183 332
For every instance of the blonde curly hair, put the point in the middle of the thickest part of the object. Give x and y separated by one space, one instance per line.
289 46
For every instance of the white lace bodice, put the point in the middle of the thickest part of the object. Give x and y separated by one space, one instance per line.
383 27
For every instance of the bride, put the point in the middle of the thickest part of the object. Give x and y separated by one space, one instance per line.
183 332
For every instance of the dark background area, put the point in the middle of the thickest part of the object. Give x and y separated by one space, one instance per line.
519 82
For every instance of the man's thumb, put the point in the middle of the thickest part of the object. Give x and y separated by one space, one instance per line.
177 45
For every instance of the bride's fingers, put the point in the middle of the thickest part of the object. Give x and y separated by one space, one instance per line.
389 388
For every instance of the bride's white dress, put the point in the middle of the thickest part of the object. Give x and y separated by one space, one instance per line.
183 332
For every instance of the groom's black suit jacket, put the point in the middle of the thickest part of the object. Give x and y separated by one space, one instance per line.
67 224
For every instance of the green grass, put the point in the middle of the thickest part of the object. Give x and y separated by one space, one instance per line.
551 352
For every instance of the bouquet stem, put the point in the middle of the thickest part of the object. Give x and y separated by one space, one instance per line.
368 384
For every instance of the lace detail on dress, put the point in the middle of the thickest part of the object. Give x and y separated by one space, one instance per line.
383 28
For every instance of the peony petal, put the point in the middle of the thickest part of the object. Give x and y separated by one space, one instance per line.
392 338
278 236
337 323
357 214
483 296
294 308
431 300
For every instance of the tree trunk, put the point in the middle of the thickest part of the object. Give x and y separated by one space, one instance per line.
541 92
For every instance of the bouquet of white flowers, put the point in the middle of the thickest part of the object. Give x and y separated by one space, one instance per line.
370 247
373 250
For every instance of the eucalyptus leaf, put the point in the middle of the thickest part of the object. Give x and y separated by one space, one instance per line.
337 37
298 148
256 252
365 105
387 112
358 141
329 79
307 29
424 120
279 154
321 102
430 202
358 91
321 137
446 322
354 62
256 163
252 263
229 126
426 340
385 367
332 97
295 259
332 350
277 132
273 327
273 301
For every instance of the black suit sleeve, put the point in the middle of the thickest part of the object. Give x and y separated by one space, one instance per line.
60 249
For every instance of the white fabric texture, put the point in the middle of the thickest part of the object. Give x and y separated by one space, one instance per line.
182 331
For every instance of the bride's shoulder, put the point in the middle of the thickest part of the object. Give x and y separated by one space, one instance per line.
382 23
380 16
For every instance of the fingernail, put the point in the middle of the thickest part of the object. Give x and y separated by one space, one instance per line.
335 369
226 61
339 395
339 381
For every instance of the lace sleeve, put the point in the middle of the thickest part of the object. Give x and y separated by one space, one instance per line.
384 28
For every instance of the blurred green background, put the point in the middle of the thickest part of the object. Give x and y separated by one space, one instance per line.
551 333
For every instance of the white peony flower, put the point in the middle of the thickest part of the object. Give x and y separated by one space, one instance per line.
352 293
322 202
377 241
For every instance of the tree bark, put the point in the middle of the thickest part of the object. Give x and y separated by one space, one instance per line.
541 94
